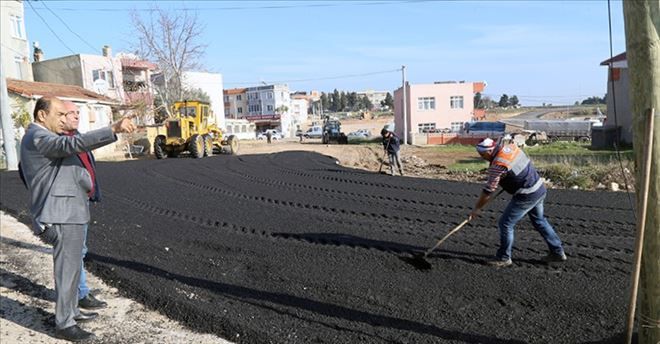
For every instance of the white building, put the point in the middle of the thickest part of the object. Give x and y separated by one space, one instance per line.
268 107
211 83
15 51
375 97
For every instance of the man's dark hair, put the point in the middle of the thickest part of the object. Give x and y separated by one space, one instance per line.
43 103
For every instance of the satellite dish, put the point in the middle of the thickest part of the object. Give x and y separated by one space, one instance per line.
100 86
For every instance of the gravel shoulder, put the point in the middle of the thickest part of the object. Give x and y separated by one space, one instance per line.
27 297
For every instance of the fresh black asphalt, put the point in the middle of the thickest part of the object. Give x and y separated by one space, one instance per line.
293 248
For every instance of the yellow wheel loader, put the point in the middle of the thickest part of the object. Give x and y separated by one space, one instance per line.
190 131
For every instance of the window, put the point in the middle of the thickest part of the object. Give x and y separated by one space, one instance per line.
426 103
226 99
456 102
110 78
17 27
239 110
238 97
270 95
269 108
425 127
18 62
456 126
105 75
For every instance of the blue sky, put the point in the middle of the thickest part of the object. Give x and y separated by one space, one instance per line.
541 51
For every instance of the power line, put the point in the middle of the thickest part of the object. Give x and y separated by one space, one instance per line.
67 26
320 78
49 28
238 8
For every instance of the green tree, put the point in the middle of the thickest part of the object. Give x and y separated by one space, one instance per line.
477 101
513 101
388 101
352 101
504 101
325 102
366 103
343 102
334 106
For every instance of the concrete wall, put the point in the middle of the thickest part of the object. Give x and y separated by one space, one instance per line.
211 83
64 70
15 49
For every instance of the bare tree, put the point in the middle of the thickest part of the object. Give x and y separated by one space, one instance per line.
171 40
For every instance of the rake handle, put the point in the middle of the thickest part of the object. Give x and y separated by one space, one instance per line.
456 229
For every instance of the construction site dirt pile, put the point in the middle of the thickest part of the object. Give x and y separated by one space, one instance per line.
293 248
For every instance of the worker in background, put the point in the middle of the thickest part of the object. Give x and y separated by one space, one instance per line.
269 136
513 170
392 145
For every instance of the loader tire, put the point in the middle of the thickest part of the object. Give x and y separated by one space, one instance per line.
196 146
159 143
232 145
208 145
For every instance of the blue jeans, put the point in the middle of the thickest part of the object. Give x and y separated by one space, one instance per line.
83 289
513 213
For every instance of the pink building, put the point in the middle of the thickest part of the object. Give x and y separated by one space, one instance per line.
437 106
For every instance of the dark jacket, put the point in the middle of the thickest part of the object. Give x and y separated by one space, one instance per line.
392 144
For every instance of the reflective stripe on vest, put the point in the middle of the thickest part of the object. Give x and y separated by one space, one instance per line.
511 157
532 188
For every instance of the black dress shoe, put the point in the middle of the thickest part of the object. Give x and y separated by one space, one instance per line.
73 334
85 316
91 302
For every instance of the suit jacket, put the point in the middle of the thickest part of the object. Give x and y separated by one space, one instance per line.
57 181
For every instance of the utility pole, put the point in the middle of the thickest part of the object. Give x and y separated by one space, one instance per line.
642 25
8 139
405 106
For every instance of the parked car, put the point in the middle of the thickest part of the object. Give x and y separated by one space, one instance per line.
315 132
274 134
361 134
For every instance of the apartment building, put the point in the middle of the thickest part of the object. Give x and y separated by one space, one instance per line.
375 97
441 105
236 103
15 48
267 105
99 73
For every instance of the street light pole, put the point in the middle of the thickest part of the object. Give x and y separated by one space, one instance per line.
9 141
405 106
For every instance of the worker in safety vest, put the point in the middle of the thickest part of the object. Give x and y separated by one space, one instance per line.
512 169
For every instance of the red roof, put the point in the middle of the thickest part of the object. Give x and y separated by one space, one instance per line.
617 58
138 64
30 88
233 91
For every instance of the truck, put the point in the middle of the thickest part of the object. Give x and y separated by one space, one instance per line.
189 130
540 131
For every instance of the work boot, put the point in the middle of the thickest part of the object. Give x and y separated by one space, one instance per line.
91 302
499 263
553 257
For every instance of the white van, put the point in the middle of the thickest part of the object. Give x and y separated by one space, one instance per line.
315 132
